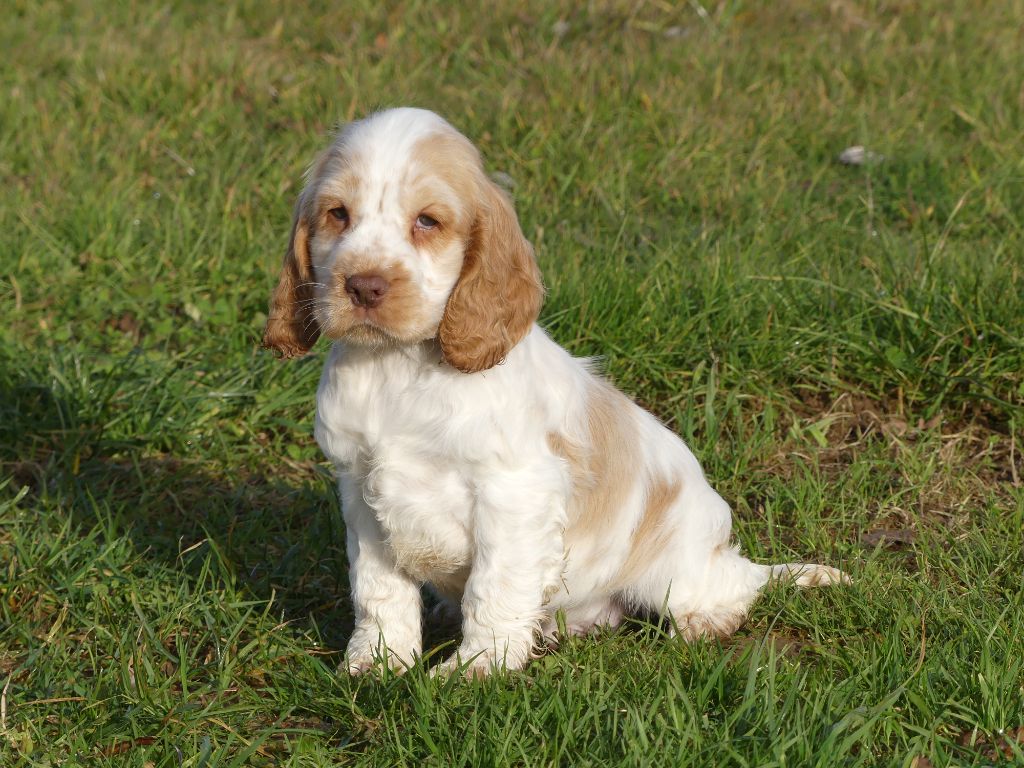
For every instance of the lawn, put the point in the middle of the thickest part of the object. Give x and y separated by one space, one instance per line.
841 345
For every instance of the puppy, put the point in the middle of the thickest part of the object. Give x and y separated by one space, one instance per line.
473 453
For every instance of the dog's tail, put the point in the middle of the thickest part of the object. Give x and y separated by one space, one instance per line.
806 574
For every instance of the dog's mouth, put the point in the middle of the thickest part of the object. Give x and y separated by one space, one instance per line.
369 323
343 319
379 318
369 335
382 325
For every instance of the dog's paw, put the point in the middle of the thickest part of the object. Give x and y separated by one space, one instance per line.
357 665
699 625
476 669
361 664
473 664
366 651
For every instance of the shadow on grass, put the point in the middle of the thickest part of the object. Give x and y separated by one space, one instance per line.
94 447
277 536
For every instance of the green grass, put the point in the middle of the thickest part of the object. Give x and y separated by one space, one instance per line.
841 346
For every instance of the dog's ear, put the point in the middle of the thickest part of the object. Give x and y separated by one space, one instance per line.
292 328
499 292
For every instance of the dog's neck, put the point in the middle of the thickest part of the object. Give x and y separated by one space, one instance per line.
421 354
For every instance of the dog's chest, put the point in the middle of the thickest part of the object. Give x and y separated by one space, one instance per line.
417 492
403 437
424 509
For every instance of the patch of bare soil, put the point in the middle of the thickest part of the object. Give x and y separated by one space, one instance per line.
1002 746
973 461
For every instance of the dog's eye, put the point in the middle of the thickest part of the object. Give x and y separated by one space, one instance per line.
340 213
426 222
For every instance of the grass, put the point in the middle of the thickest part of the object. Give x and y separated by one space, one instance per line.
841 346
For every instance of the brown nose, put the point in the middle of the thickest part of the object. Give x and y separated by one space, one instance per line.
366 290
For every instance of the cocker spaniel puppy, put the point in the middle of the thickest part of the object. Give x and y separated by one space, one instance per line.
474 453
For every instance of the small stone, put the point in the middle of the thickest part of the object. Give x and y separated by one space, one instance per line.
858 155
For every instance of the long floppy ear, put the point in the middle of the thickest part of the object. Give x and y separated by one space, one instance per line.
499 292
292 328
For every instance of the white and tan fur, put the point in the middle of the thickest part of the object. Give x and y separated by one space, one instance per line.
473 453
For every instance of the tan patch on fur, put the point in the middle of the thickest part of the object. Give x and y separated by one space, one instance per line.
430 563
447 156
340 188
442 181
694 626
652 533
572 453
603 467
438 241
499 292
450 585
291 328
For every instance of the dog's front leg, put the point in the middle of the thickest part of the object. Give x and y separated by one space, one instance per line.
385 600
517 559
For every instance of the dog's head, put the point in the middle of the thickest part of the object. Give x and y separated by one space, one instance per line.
398 237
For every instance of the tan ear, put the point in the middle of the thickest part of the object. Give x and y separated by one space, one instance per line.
499 292
292 328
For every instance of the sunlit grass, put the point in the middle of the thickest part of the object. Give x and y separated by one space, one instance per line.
841 346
